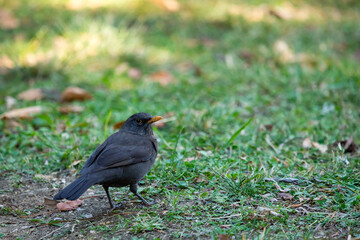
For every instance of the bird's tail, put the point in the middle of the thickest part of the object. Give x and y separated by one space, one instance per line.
75 189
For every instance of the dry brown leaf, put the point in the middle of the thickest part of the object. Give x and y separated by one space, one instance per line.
162 77
122 68
285 196
199 179
224 237
307 143
11 123
22 113
31 94
71 109
189 159
5 64
118 125
276 159
246 56
348 145
75 93
77 162
225 226
267 211
169 5
269 127
296 205
282 49
134 73
50 202
320 147
69 205
8 20
61 127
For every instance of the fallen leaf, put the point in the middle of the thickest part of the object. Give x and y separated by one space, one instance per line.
276 159
269 127
162 77
11 123
31 94
307 143
77 162
269 197
61 127
134 73
71 109
283 50
75 93
5 64
118 125
122 68
225 226
267 211
21 113
199 179
281 14
189 159
169 5
69 205
349 145
320 147
8 20
224 237
296 205
285 196
50 202
10 102
246 56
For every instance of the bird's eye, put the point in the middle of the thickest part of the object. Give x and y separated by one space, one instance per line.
138 121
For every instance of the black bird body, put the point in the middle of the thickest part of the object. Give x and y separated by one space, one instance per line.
123 159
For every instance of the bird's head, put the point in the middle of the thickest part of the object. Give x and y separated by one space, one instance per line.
140 123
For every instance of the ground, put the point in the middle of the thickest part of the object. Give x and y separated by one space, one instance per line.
261 105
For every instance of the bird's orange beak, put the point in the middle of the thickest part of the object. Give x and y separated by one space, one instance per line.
154 119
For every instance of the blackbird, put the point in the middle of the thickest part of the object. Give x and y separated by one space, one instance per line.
123 159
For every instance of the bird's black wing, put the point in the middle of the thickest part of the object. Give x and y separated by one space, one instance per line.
94 156
122 155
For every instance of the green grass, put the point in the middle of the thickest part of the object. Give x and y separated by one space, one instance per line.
226 72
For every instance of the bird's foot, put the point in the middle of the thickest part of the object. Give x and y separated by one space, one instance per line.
115 207
149 203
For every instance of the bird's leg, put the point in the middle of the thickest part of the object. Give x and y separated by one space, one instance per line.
133 189
112 206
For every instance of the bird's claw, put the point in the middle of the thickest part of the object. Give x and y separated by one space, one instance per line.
149 203
115 207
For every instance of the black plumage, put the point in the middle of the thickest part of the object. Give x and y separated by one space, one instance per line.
123 159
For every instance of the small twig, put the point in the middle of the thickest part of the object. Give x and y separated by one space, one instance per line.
37 214
49 234
230 216
72 229
268 141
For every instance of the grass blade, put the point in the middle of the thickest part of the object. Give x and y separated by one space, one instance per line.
237 133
